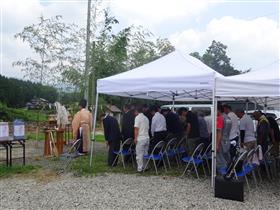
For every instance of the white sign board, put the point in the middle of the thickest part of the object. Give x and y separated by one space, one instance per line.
4 130
19 130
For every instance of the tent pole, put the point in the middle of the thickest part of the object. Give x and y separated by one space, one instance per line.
247 105
213 115
173 103
265 105
94 128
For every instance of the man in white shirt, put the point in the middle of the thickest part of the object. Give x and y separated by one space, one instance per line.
234 131
141 137
247 134
158 126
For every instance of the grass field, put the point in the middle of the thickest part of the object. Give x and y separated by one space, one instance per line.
80 166
17 169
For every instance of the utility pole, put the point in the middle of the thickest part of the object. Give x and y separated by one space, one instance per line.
87 62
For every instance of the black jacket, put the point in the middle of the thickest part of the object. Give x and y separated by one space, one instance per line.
128 125
111 130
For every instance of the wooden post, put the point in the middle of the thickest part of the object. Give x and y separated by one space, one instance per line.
59 141
47 149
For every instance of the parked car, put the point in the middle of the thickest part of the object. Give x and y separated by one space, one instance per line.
270 113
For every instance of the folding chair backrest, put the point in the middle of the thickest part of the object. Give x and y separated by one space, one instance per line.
208 149
159 146
128 141
171 144
250 156
258 148
168 137
242 157
198 151
183 139
75 146
268 151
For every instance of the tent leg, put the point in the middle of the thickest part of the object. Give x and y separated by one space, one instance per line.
214 121
214 114
94 128
173 103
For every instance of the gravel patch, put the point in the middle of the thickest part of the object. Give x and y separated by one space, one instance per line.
120 191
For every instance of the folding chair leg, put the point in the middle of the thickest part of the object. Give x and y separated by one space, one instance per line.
177 161
255 179
247 183
155 166
116 158
146 164
164 165
185 169
259 173
267 171
208 167
204 169
132 160
122 157
196 170
168 161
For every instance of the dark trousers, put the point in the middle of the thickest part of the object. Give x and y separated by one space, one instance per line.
113 146
158 136
205 141
264 146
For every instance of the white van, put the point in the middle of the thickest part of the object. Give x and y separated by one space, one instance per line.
191 107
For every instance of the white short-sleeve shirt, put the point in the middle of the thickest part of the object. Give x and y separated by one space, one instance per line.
142 122
247 124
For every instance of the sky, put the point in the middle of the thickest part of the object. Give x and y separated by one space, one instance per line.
250 29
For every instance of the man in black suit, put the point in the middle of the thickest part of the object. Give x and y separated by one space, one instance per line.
112 136
173 124
128 122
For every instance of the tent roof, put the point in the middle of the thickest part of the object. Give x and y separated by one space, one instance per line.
254 85
264 82
176 74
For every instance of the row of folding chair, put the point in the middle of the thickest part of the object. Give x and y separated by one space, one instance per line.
164 151
251 163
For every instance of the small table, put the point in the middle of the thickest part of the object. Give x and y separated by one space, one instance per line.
9 143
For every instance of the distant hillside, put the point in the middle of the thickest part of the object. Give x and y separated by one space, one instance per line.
16 93
10 114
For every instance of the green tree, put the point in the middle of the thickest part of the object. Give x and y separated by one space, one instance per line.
216 58
50 41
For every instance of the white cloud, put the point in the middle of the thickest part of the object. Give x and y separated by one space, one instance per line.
16 14
150 12
251 43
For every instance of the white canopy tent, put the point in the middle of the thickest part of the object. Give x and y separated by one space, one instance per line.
180 77
174 77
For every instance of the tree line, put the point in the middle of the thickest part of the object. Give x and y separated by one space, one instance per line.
16 93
